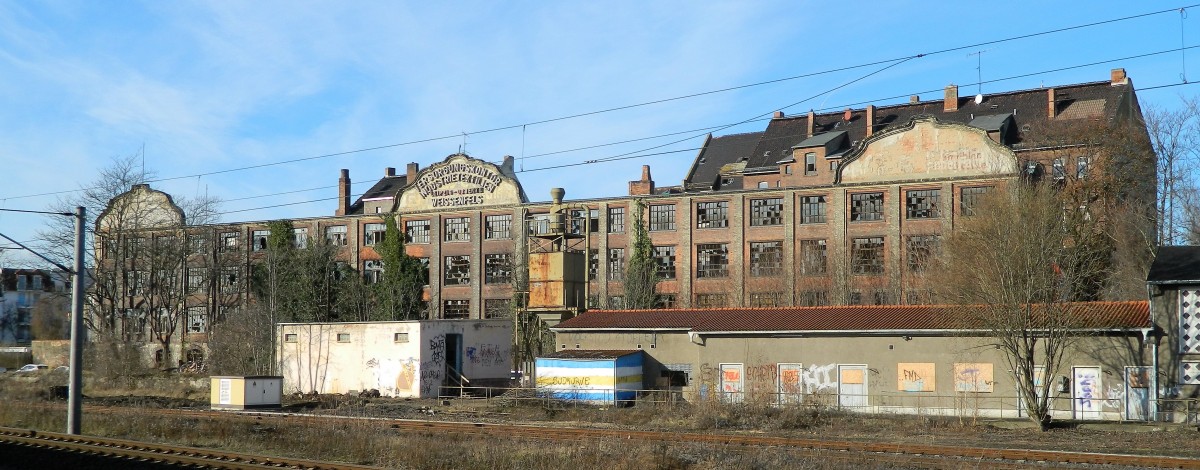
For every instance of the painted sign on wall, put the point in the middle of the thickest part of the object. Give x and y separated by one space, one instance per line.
460 181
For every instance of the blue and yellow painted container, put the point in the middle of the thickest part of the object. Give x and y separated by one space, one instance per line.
592 376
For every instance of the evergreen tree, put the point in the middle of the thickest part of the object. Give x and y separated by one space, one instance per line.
641 275
399 292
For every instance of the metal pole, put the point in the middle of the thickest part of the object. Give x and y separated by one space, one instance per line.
74 404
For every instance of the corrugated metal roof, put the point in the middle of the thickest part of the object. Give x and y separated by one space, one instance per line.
1092 315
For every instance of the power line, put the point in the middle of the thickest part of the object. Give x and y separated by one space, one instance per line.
646 103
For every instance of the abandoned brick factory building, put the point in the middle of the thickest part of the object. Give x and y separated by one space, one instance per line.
819 209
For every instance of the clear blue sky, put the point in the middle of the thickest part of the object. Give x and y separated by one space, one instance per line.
209 86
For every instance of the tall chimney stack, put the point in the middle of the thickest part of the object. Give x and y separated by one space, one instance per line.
1051 104
343 193
812 118
411 172
644 186
870 119
951 103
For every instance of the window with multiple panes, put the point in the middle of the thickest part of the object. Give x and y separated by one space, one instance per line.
373 234
196 278
664 258
971 197
812 298
372 271
1081 167
712 214
813 257
538 224
585 221
197 319
866 207
416 231
867 255
662 217
230 280
711 301
593 263
457 270
921 250
616 264
456 308
458 229
921 203
1059 169
712 260
229 241
766 258
616 220
259 239
812 209
766 212
300 238
497 227
497 308
336 235
767 299
810 164
497 268
665 301
198 243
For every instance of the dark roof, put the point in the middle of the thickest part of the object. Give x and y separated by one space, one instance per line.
991 122
388 186
1085 100
590 353
815 141
1175 265
1093 315
718 152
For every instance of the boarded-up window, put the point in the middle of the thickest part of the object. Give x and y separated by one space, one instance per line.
973 377
915 377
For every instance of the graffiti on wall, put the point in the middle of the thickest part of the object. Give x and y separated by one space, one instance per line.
786 378
487 355
973 377
915 377
433 370
394 377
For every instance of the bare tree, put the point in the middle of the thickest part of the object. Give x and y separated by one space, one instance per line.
1018 284
1175 135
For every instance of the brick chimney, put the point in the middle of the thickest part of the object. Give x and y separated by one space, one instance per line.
411 172
951 103
870 119
812 122
1051 105
1118 77
914 99
343 193
389 171
642 187
778 115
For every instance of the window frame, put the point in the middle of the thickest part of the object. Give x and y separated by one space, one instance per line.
662 217
456 270
766 212
866 206
712 260
813 209
868 256
456 229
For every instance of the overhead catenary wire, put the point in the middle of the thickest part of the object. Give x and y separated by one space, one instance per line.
648 103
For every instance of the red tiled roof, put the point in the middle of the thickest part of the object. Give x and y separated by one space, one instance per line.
1093 315
590 353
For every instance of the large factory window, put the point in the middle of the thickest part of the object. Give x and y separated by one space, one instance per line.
593 263
417 231
497 308
497 268
971 197
497 227
867 255
259 239
616 264
662 217
712 260
458 229
456 309
616 220
921 204
713 214
766 299
372 271
457 270
812 257
921 249
373 234
711 301
766 212
766 258
812 209
865 207
664 258
336 235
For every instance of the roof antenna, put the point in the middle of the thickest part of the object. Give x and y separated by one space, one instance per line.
463 148
978 70
1183 49
522 147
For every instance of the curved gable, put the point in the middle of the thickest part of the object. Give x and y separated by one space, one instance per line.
460 182
927 149
140 208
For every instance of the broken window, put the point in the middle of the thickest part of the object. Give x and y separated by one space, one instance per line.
457 270
921 250
497 268
497 227
458 229
336 235
767 299
662 217
866 207
258 239
714 214
417 231
664 259
457 308
766 212
812 209
373 234
971 197
616 264
921 203
712 260
812 257
300 238
497 308
711 301
372 271
197 320
867 255
766 258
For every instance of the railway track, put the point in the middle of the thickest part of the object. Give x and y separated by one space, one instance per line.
101 449
896 454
